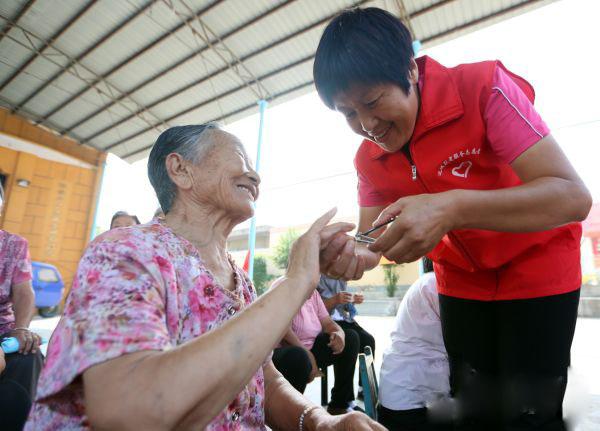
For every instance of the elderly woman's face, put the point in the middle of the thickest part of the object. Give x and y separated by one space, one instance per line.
225 178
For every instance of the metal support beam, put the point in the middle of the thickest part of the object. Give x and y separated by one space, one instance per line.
309 83
237 111
168 69
219 71
243 58
101 86
173 67
480 20
209 38
211 100
123 63
58 33
8 26
77 60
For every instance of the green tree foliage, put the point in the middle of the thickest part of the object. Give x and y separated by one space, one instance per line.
281 253
391 279
261 275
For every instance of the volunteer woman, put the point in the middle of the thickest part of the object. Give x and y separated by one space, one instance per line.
475 180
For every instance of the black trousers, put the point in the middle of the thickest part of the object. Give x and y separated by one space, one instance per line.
294 364
509 360
344 365
18 383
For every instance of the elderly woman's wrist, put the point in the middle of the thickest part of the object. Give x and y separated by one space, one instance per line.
301 279
315 419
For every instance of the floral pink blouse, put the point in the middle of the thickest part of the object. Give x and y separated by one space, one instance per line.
138 288
15 268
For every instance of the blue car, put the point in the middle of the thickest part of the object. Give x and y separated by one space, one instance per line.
48 287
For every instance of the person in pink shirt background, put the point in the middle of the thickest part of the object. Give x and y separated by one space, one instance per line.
315 341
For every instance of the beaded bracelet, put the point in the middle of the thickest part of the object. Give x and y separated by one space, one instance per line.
306 411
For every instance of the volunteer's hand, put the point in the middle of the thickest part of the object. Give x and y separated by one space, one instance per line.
337 342
304 259
421 222
320 420
343 298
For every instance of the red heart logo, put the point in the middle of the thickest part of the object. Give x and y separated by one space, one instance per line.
462 170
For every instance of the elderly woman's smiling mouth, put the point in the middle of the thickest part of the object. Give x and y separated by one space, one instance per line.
250 190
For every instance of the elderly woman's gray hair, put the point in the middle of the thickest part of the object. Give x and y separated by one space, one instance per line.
191 142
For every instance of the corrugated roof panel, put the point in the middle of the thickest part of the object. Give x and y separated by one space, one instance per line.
134 35
10 9
232 13
45 17
91 112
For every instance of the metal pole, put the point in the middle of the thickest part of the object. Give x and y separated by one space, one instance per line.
262 105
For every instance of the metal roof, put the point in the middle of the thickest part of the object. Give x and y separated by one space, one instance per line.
113 74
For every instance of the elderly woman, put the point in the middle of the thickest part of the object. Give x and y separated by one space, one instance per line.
163 331
123 219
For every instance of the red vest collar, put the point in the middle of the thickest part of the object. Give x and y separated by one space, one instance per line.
440 100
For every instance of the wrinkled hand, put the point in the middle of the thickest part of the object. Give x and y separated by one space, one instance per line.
305 260
359 298
421 223
315 372
29 342
337 342
343 298
354 421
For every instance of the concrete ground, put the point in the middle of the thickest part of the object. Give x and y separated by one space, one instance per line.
582 401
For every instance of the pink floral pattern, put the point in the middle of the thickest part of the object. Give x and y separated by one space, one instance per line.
138 288
15 268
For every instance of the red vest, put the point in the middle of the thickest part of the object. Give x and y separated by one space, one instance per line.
449 151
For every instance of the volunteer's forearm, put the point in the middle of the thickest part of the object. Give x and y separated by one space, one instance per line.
541 204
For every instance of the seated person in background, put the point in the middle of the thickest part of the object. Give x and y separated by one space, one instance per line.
160 330
19 376
315 341
340 305
415 371
123 219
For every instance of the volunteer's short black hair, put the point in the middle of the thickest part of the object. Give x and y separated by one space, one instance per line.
362 46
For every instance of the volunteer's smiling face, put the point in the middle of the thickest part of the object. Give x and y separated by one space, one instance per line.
383 113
